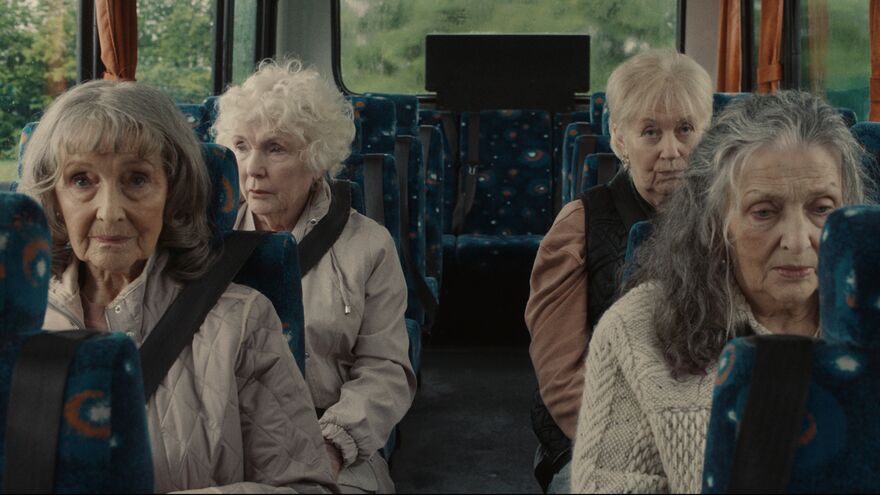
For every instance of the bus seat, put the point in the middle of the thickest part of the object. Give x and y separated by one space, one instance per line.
840 432
720 100
448 123
433 152
561 123
103 443
868 134
639 232
379 183
273 268
378 121
357 197
599 168
584 146
196 117
566 177
597 107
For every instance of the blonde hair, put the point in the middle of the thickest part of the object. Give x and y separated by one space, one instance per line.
293 101
658 78
125 117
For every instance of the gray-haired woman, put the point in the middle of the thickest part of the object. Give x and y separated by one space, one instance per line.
734 254
123 183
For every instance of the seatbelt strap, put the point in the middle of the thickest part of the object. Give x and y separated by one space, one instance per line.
317 242
36 403
374 189
426 133
587 145
774 414
179 324
420 285
608 168
466 191
450 128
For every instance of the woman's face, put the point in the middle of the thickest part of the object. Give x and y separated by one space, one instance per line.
657 147
785 196
275 179
112 205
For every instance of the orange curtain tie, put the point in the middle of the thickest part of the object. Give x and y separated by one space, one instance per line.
769 73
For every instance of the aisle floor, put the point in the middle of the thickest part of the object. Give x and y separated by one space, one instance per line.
469 429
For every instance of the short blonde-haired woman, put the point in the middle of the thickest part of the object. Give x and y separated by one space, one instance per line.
124 186
290 130
659 103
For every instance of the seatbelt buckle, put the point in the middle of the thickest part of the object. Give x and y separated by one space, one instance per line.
472 169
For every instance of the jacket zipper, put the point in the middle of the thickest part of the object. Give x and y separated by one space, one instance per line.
73 320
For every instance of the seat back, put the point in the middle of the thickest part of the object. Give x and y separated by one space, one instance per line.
433 153
378 123
568 169
273 267
103 444
514 177
599 168
449 125
839 432
638 234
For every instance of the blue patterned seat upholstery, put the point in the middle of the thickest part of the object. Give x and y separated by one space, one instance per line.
353 171
840 434
603 146
273 268
378 123
868 134
638 234
103 444
434 168
720 100
450 171
565 176
597 107
591 169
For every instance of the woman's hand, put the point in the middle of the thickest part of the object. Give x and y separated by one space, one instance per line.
335 458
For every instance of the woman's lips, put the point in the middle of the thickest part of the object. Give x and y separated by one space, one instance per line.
794 272
258 192
111 239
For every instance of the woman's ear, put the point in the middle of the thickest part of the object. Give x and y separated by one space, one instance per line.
618 144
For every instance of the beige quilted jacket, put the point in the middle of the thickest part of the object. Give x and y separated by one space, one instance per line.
233 414
357 362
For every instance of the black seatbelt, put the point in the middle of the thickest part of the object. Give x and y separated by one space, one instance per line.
426 132
466 191
36 401
774 414
182 320
317 242
374 189
420 285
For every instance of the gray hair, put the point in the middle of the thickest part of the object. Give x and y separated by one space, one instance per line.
694 317
658 77
125 117
293 101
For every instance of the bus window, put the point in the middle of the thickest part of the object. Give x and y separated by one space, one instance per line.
835 60
38 55
244 42
383 41
176 47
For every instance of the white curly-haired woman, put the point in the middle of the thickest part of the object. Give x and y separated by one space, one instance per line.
290 129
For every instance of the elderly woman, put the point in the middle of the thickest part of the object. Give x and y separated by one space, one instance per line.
734 254
124 185
660 102
290 130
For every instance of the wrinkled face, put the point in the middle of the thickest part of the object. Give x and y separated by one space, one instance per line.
112 205
657 148
785 196
273 174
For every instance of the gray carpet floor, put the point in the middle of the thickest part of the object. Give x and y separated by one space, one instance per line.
468 430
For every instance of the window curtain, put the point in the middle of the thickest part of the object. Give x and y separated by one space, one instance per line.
729 68
817 22
770 46
118 33
874 114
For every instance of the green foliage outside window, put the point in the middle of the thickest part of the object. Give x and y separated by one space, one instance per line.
383 40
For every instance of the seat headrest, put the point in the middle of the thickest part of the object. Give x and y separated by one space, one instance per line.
849 277
223 170
25 265
378 118
406 110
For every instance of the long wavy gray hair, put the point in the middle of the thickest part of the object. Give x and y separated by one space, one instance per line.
695 317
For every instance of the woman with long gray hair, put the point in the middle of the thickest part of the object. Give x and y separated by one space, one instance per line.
734 253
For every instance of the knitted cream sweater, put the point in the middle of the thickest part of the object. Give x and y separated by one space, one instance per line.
640 430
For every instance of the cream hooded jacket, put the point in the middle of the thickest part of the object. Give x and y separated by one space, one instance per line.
233 414
357 361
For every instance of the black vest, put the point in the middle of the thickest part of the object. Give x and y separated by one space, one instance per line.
610 210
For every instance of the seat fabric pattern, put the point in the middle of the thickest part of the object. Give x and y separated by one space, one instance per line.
25 265
720 100
103 445
513 192
434 179
638 234
489 253
840 433
223 172
406 110
597 107
591 171
450 172
378 122
567 168
354 171
603 145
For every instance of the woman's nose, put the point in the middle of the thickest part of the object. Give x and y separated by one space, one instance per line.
796 233
670 147
111 203
255 164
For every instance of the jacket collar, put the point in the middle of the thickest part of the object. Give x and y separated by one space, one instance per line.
316 208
